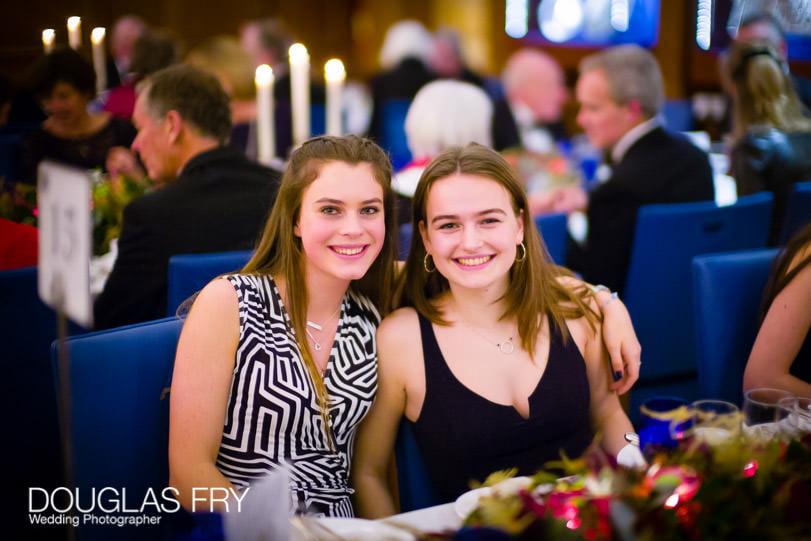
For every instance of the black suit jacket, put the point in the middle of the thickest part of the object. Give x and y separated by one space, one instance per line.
660 167
505 129
219 203
399 83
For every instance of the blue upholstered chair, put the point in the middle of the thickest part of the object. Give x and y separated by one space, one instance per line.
798 210
678 114
119 389
393 137
404 241
658 287
27 328
318 119
416 489
189 273
727 295
553 229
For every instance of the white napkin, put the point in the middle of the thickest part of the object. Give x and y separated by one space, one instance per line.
265 511
631 457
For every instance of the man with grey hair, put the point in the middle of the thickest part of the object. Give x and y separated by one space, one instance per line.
621 93
214 200
530 114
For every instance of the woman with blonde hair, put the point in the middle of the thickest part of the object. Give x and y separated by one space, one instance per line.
224 57
772 139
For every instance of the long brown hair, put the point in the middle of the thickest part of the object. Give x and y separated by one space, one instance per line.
280 252
534 286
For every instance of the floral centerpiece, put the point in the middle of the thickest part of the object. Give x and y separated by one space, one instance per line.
18 203
737 489
110 196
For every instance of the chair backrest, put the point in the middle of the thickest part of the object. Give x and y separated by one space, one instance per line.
393 136
189 273
798 210
119 385
27 328
318 119
415 487
553 229
658 285
727 294
406 230
678 114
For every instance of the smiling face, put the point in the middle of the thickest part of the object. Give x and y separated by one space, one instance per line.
472 231
341 223
66 105
603 120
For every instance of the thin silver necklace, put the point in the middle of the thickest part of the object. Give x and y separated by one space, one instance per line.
506 347
317 327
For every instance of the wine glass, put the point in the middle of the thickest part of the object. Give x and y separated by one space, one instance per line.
715 421
761 412
793 416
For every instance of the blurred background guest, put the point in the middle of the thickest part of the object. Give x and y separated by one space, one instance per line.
771 138
621 94
126 31
154 50
224 57
215 199
268 41
781 355
65 84
447 58
444 113
758 25
530 114
404 60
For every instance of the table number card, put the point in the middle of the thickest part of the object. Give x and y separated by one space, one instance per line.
63 202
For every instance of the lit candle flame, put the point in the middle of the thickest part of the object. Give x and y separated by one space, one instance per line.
97 35
334 70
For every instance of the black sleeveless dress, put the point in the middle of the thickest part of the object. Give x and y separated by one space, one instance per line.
463 436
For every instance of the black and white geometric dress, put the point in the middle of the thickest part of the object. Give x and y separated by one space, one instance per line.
272 414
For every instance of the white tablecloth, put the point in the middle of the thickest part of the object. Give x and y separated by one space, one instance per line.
431 519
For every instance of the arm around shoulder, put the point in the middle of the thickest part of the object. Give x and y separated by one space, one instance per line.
607 416
200 386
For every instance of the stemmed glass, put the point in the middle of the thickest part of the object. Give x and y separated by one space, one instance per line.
793 417
761 414
715 421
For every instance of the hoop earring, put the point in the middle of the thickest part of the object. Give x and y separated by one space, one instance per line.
523 252
425 261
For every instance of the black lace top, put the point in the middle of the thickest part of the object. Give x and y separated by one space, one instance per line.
89 152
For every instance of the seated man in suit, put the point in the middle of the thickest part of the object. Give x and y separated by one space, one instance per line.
218 201
621 92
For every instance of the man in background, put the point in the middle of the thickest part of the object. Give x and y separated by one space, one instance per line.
621 94
126 31
215 198
530 115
